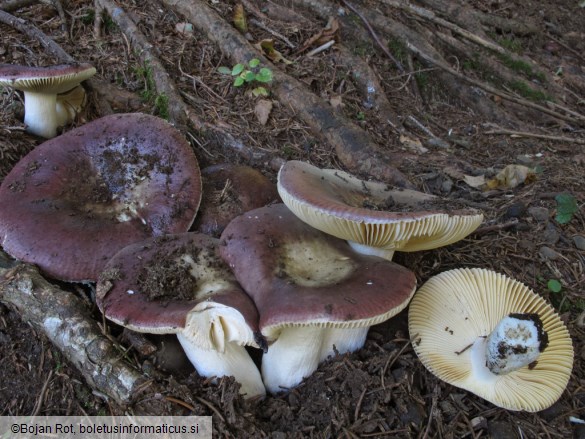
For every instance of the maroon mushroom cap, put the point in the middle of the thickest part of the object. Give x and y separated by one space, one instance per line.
229 191
151 286
49 79
75 200
298 275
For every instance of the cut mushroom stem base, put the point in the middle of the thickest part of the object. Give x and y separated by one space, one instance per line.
232 361
515 342
298 351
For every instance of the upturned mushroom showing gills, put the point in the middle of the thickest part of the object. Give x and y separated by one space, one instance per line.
77 199
492 335
372 217
177 284
43 113
314 294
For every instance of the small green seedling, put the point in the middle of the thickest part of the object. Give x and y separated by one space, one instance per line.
249 73
566 208
554 286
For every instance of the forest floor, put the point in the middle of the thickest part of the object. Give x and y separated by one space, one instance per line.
444 115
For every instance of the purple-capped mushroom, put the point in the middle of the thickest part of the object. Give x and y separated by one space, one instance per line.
77 199
177 284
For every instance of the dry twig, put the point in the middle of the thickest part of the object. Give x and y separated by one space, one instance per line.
68 324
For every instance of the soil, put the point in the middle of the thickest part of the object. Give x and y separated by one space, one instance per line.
449 134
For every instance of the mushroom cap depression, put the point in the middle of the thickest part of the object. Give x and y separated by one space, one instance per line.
372 214
75 200
454 309
51 80
297 275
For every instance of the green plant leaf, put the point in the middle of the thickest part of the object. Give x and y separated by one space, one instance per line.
248 76
260 91
224 70
254 62
554 286
239 81
237 69
264 75
566 208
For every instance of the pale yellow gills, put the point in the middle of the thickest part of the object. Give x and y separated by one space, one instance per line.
373 217
454 312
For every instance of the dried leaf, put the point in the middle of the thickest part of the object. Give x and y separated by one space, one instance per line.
512 176
474 181
325 35
413 144
262 110
239 18
267 47
336 102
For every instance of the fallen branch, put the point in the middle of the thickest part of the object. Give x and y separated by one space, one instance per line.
68 324
374 36
178 112
354 147
537 136
416 45
31 31
13 5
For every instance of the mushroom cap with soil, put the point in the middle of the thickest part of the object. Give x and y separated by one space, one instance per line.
77 199
315 295
373 217
228 191
492 335
177 284
41 85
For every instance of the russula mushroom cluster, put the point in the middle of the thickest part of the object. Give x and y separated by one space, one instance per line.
44 111
315 295
492 335
77 199
177 284
372 217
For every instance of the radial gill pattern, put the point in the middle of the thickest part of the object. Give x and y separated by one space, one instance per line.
422 231
455 308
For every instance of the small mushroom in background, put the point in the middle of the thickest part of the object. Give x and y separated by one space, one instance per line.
43 111
77 199
374 218
229 191
315 295
492 335
69 105
177 284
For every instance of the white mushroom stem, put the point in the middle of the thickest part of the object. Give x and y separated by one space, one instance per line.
233 361
298 351
515 342
40 114
383 253
214 338
342 340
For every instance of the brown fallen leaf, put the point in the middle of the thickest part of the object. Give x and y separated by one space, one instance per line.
328 33
267 48
512 176
262 110
239 18
413 144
